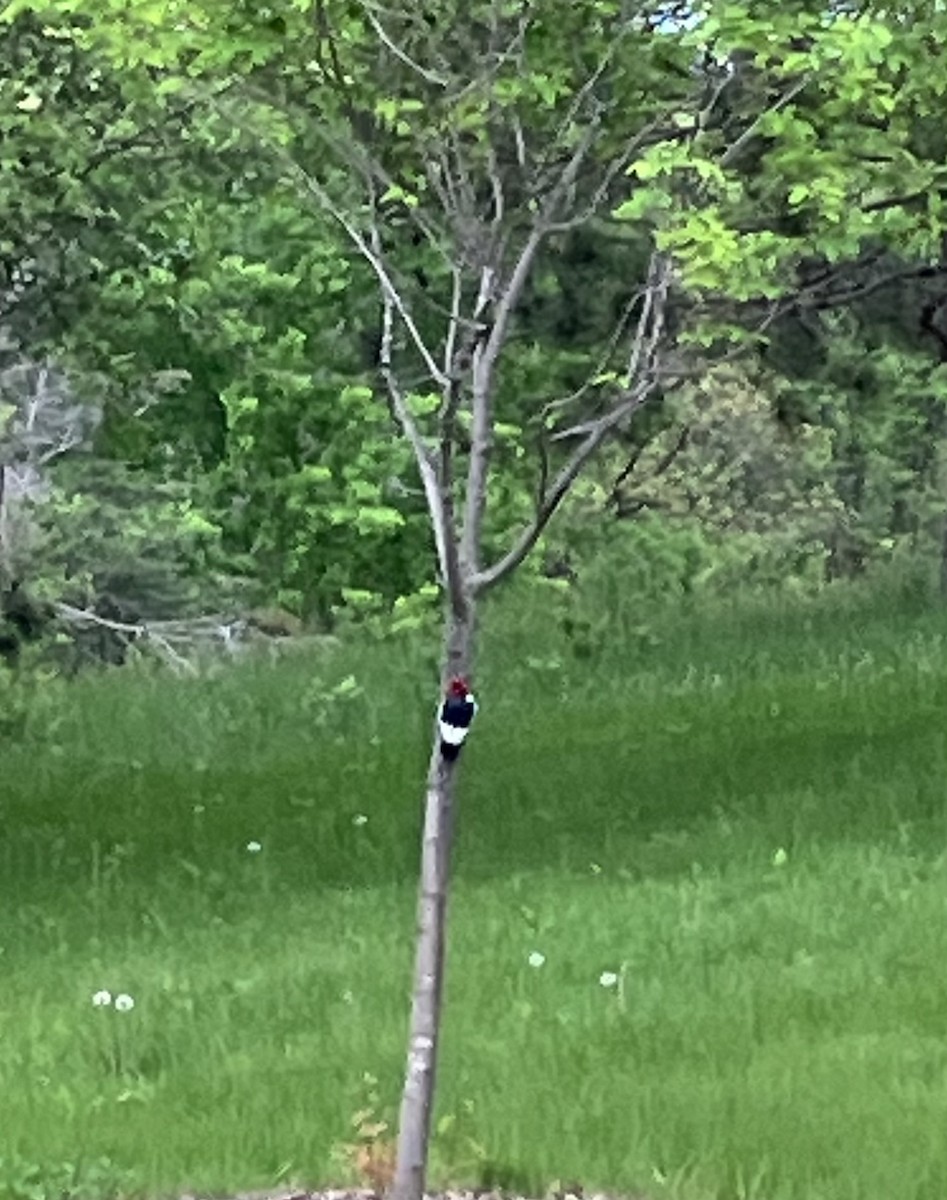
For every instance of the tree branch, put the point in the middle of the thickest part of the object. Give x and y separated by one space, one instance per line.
662 466
377 264
401 55
484 364
611 172
485 357
602 362
643 360
857 292
423 456
82 616
559 490
736 148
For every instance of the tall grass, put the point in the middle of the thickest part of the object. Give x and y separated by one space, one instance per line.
739 813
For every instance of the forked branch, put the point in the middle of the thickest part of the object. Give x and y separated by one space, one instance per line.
487 354
641 381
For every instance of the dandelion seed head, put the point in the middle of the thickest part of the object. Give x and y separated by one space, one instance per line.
124 1002
102 999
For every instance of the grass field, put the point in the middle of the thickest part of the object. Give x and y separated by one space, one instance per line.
740 813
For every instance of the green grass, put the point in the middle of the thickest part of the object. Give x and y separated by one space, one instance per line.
743 812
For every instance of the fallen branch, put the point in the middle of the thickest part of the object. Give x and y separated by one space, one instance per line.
160 634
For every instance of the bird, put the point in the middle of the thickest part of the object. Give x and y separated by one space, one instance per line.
454 717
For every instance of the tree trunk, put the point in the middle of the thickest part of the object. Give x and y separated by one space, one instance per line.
414 1125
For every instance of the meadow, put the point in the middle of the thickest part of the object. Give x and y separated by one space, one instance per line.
698 934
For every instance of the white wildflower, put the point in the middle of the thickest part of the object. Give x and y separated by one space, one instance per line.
780 858
254 847
124 1002
360 819
608 979
102 999
536 959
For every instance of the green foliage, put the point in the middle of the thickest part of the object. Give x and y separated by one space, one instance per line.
228 331
811 150
114 533
882 406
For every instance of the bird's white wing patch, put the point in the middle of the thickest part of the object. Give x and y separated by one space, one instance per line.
452 735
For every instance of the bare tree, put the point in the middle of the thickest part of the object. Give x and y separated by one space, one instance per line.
489 200
499 132
488 210
41 419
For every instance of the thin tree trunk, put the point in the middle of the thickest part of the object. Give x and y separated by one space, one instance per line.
414 1123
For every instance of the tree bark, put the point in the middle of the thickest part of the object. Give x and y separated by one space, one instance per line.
414 1124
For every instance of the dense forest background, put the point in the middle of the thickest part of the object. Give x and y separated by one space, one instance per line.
189 412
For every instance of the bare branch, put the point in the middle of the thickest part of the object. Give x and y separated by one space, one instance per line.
736 148
652 314
858 291
662 466
611 173
438 174
453 326
644 359
491 68
405 418
350 151
6 569
487 354
403 56
484 364
389 291
450 402
82 616
719 87
496 185
589 382
559 490
584 94
897 201
625 473
519 140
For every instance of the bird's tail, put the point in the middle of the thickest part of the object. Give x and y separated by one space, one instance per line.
449 752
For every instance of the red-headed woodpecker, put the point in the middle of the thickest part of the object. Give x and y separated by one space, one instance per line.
456 713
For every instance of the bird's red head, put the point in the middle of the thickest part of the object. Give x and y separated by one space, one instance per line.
458 687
